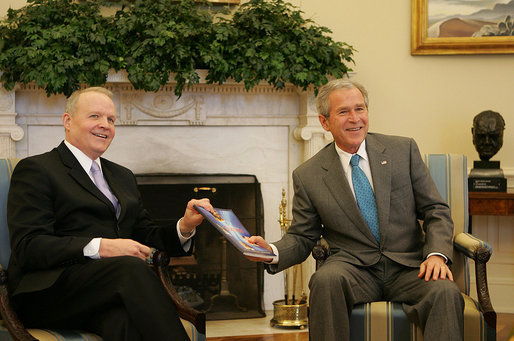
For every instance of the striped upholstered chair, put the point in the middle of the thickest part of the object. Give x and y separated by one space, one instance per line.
11 328
386 321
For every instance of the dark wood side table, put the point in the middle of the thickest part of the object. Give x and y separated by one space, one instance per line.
490 203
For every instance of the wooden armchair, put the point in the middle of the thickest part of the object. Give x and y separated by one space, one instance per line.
381 321
11 328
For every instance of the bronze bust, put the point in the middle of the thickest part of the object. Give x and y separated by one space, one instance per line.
487 132
487 175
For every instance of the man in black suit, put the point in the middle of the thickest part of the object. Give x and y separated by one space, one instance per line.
78 255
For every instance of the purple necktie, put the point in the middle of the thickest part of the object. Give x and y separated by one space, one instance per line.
102 185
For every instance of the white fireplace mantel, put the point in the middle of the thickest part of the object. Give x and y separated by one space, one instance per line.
209 129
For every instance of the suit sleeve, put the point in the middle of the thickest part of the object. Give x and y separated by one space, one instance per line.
431 209
31 218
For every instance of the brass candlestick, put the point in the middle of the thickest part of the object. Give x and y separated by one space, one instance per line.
289 313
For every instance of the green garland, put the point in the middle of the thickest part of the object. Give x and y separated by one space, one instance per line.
61 44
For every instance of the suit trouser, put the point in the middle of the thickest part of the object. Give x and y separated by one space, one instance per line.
119 298
436 306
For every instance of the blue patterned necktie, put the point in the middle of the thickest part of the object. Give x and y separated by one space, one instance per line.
103 186
365 197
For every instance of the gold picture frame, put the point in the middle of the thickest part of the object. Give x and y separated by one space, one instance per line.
422 44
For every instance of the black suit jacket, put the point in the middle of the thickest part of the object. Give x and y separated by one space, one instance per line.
54 210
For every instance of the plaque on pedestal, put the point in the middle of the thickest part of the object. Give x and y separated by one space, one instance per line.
487 176
487 184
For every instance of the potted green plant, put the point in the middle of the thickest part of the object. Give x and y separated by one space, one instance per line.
57 44
269 40
61 44
164 39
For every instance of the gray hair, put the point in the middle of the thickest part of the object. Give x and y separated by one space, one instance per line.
71 102
322 102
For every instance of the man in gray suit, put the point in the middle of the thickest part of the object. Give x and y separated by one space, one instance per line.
392 257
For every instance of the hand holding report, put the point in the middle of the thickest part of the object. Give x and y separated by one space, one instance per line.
226 222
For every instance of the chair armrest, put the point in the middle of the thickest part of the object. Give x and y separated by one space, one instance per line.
9 316
480 252
161 263
468 245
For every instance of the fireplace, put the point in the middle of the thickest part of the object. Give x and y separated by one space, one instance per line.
216 279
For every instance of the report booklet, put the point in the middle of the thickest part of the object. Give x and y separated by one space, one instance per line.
226 222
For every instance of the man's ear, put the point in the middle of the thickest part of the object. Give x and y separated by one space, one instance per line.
324 122
66 120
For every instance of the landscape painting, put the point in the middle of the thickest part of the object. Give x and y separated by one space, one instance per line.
462 27
470 18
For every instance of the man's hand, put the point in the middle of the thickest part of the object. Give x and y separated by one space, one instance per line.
191 217
123 247
258 240
434 267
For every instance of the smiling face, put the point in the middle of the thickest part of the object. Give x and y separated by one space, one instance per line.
348 119
90 127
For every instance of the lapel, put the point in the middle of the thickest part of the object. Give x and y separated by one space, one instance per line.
380 164
338 186
79 175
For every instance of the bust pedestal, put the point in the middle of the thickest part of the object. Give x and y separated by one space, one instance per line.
487 176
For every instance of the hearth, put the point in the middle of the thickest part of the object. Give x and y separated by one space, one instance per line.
216 279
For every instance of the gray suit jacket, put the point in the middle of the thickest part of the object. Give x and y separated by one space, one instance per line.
414 220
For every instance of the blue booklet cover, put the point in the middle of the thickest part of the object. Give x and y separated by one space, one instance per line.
226 222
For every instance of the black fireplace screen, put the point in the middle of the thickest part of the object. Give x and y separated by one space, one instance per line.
217 279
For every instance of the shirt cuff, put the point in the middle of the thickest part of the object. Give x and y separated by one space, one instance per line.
438 254
184 241
92 249
274 259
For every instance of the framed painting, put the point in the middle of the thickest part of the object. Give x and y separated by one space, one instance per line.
444 27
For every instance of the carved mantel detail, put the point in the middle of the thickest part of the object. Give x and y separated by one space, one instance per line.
309 131
10 132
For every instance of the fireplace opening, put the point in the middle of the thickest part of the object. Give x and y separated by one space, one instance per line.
217 278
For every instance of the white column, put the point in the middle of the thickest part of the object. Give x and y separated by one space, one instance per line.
10 132
314 138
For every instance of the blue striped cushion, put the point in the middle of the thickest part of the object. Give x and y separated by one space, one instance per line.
386 321
75 335
6 168
52 335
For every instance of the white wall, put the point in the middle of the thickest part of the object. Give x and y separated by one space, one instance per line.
431 98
